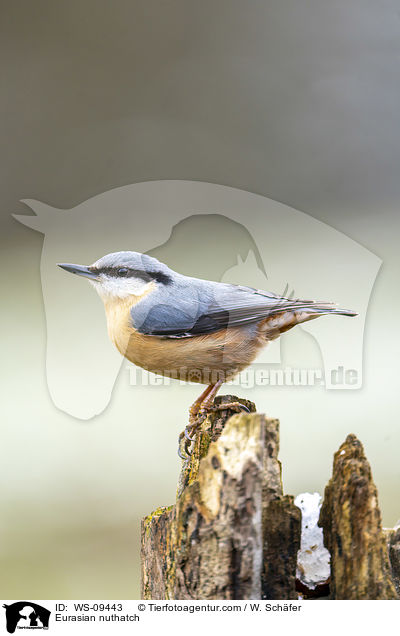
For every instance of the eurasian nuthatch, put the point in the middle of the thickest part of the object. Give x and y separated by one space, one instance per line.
188 328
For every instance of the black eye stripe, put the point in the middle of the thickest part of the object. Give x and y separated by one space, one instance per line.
134 273
130 273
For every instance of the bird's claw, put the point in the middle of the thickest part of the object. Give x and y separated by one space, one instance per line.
186 434
183 455
186 439
184 451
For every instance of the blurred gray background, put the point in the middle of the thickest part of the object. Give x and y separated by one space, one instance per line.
293 99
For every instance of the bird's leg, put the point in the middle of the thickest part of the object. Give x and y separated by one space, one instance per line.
206 404
197 412
194 409
186 437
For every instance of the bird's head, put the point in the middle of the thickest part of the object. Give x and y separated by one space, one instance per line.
123 274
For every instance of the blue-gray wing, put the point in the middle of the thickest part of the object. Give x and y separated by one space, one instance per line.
194 307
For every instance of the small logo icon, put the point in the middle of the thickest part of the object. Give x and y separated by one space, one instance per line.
26 615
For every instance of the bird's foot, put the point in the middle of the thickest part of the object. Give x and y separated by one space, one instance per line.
234 406
184 451
186 438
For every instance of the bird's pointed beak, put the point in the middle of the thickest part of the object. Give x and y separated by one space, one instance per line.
80 270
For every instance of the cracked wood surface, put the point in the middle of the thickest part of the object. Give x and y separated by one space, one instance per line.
231 534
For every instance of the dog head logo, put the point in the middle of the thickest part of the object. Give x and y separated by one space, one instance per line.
202 230
26 615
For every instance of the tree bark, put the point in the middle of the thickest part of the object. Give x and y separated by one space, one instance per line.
351 522
231 534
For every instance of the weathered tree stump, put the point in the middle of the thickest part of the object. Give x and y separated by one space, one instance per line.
351 523
231 534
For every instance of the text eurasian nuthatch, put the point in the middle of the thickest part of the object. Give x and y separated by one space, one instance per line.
188 328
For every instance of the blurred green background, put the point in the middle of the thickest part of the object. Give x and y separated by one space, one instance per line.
297 101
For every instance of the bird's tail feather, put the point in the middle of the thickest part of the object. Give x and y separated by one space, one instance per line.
329 308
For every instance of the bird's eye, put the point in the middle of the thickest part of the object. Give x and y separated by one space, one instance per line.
123 271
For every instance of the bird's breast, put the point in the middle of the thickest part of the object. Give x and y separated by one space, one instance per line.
203 358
